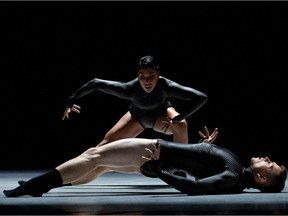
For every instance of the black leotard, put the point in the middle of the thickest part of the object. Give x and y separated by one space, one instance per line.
210 169
146 107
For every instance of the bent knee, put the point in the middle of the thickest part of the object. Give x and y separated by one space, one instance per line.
180 126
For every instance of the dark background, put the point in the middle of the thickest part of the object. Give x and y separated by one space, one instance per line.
235 52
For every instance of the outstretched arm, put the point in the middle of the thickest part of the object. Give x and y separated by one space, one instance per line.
116 88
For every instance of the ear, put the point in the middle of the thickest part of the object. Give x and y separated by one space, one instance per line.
260 179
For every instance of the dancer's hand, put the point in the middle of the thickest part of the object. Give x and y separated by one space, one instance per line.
209 138
153 154
74 108
166 124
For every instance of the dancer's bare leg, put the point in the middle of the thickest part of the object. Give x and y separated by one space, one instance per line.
101 170
131 151
120 153
126 127
179 130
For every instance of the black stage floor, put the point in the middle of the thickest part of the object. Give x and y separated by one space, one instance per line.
133 194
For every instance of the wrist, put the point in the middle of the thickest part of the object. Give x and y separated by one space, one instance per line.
71 101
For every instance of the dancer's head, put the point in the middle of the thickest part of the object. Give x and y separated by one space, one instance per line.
148 61
148 73
268 175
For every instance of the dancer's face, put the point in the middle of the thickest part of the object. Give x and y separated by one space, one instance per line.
264 165
148 78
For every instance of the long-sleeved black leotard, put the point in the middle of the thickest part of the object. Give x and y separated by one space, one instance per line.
209 169
146 107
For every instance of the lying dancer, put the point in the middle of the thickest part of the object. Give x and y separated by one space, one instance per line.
215 170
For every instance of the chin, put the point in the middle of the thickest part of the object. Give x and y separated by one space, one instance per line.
253 161
148 90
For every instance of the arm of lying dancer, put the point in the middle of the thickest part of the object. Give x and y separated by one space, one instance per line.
217 184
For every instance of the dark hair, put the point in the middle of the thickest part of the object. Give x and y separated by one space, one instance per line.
148 62
277 182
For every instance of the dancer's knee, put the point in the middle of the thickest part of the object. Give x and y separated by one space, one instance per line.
180 127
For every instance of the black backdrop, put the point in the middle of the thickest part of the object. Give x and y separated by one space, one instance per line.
236 52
